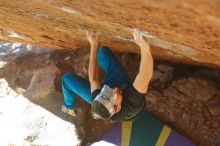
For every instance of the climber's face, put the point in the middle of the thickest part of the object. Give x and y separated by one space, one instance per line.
117 105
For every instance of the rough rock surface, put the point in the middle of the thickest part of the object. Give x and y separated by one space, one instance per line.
42 81
195 119
180 31
214 105
192 89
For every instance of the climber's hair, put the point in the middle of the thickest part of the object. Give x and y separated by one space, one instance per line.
99 111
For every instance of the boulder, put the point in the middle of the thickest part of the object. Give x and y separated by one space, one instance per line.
214 105
42 82
174 93
153 97
215 109
191 89
196 88
179 31
163 73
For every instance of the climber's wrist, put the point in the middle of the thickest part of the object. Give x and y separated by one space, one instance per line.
144 45
94 47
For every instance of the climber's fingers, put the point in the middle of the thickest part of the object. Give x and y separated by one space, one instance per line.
134 34
138 37
92 36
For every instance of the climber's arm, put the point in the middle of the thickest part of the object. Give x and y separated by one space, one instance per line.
146 65
93 62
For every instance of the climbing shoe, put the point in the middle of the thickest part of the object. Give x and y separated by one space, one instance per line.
71 112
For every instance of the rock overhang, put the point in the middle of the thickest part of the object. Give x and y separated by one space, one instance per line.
187 32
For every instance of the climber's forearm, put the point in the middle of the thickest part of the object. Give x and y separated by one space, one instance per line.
93 69
145 70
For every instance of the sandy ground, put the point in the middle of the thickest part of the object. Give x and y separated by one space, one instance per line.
25 123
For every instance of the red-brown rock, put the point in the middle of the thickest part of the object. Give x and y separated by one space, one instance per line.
214 105
196 88
180 31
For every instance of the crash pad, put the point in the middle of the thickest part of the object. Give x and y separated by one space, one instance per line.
144 131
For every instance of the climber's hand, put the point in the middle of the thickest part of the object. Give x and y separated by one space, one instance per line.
139 39
92 36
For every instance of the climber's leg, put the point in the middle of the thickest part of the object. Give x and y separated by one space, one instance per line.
73 85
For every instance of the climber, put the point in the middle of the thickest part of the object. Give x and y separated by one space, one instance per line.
116 98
